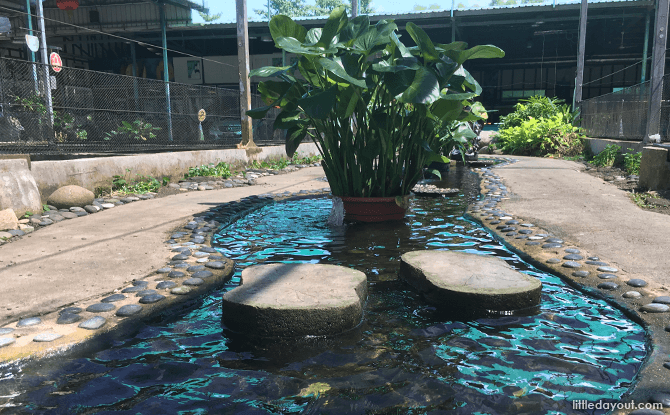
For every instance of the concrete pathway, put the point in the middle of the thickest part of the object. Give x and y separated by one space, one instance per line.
88 257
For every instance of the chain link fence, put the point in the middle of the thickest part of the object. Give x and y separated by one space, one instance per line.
97 112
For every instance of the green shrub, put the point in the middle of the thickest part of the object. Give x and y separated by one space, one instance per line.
219 170
141 184
631 162
606 157
540 126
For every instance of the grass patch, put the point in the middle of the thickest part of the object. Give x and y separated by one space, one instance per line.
210 170
139 185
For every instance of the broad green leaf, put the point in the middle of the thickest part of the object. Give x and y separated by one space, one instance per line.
424 89
477 52
271 91
402 64
284 26
458 45
292 45
347 98
337 70
398 82
127 124
319 105
423 42
447 94
258 113
446 110
336 21
294 137
313 36
356 27
287 119
267 71
478 109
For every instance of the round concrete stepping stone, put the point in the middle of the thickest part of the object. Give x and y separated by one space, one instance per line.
609 285
140 283
144 293
100 307
636 282
522 237
93 323
494 222
606 276
512 222
662 299
662 398
181 265
573 257
215 264
165 285
572 264
151 298
133 289
607 269
552 245
202 274
113 298
6 341
6 330
182 290
193 281
554 240
107 205
27 322
195 268
46 337
164 270
128 310
532 243
535 238
70 310
68 318
596 262
201 254
208 250
553 261
176 274
632 294
181 257
580 274
202 260
469 282
655 308
594 258
295 300
525 231
572 251
528 225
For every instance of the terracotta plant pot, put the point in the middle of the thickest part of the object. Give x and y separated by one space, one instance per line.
373 209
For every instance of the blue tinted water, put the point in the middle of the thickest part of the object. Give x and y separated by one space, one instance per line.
405 357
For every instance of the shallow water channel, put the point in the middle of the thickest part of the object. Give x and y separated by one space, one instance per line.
404 358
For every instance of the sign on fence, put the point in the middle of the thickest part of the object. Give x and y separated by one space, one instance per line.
56 62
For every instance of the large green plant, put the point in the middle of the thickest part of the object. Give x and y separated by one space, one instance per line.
370 103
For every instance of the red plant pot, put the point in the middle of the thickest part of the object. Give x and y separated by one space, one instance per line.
372 209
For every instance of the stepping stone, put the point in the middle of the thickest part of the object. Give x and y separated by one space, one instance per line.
46 337
93 323
193 282
68 318
553 261
554 240
663 299
552 245
6 341
607 269
525 231
295 300
535 238
528 225
522 237
176 274
151 298
128 310
113 298
580 274
469 282
573 257
70 310
164 270
655 308
144 293
572 264
202 274
140 283
606 276
608 285
662 398
6 330
195 268
215 264
182 290
181 265
208 250
632 294
165 285
180 257
595 262
573 251
594 258
100 307
636 282
532 243
27 322
133 289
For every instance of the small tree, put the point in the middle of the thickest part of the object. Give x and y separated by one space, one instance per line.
209 17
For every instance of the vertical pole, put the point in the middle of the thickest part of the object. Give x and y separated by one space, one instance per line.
577 98
133 56
645 48
354 8
45 64
657 70
166 70
243 68
453 22
31 53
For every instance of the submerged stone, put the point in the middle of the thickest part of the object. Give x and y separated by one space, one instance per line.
468 282
295 300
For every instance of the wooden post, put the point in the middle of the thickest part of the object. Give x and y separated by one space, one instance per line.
243 64
45 64
166 70
354 8
657 71
579 80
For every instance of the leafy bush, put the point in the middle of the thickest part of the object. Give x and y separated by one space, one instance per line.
536 107
219 170
606 157
554 135
281 163
631 162
141 184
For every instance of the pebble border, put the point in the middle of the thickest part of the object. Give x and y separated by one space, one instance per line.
585 271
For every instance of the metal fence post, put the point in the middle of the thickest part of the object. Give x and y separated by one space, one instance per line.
657 71
580 53
243 68
166 70
45 62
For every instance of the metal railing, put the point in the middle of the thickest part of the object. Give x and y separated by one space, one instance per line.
97 112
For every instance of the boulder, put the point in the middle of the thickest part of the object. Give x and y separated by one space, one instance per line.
8 220
469 283
291 300
18 188
70 196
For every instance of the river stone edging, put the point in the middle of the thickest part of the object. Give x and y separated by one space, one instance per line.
291 300
466 283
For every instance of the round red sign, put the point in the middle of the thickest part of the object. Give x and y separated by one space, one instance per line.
56 62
